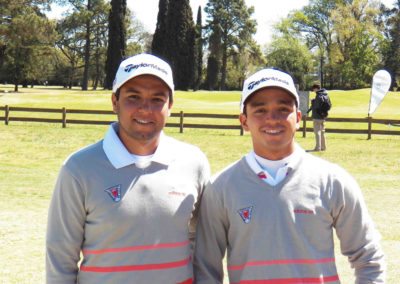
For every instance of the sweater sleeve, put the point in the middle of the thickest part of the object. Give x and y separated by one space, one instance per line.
65 230
211 239
359 240
203 179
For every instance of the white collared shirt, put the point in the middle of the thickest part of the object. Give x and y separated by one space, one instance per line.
120 157
272 172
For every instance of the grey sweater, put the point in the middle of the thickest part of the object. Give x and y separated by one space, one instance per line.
285 232
129 225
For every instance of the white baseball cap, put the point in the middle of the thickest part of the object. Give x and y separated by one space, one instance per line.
143 64
268 78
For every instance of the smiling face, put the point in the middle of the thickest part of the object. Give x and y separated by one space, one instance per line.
143 107
272 119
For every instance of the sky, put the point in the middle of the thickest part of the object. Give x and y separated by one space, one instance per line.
266 13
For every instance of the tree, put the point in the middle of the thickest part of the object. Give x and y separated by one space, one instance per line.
85 10
198 58
391 49
89 22
214 60
100 37
232 20
314 21
174 40
139 39
116 47
71 43
181 43
26 36
160 37
290 55
358 41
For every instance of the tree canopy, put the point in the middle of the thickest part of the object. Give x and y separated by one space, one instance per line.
230 23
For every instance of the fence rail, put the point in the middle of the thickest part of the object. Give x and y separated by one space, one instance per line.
368 129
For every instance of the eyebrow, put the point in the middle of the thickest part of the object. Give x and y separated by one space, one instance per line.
135 91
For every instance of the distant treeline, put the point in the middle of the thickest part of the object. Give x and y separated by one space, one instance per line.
338 43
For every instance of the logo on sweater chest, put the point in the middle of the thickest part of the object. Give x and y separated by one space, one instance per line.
246 214
114 192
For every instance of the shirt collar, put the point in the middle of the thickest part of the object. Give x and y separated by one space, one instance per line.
120 157
292 160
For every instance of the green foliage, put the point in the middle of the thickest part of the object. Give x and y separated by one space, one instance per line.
391 50
174 40
26 38
181 43
345 37
160 37
230 29
82 40
358 40
198 54
290 55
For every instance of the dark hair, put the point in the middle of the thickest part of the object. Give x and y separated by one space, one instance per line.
117 92
315 86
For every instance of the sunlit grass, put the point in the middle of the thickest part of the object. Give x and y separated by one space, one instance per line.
32 153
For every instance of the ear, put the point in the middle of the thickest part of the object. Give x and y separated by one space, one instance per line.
298 119
243 121
114 103
169 108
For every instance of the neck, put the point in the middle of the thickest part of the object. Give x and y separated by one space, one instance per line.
138 147
274 154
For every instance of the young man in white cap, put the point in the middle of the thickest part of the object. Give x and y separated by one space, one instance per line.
124 209
274 210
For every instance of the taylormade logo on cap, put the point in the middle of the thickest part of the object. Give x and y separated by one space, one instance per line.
131 67
143 64
268 78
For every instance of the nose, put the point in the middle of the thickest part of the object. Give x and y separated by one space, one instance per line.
274 115
145 105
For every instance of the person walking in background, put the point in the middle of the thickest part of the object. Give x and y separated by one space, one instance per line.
128 203
273 212
319 108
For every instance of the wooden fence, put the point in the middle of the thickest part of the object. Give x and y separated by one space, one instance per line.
367 129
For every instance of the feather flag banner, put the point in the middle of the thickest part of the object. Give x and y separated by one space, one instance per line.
380 86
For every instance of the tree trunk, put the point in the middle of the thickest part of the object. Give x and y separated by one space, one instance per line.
224 64
16 76
87 51
116 40
322 71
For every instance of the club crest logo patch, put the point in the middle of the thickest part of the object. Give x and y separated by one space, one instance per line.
246 214
262 175
114 192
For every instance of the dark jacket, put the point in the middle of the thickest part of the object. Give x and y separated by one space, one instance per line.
315 104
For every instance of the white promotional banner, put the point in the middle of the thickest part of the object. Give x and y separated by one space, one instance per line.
380 86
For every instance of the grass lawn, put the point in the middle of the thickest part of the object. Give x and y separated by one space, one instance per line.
32 153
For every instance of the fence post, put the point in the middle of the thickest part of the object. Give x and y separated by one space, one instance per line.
6 115
241 130
304 125
64 117
369 127
181 122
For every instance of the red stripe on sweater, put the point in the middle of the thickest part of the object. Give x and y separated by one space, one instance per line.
188 281
280 262
318 280
140 267
146 247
